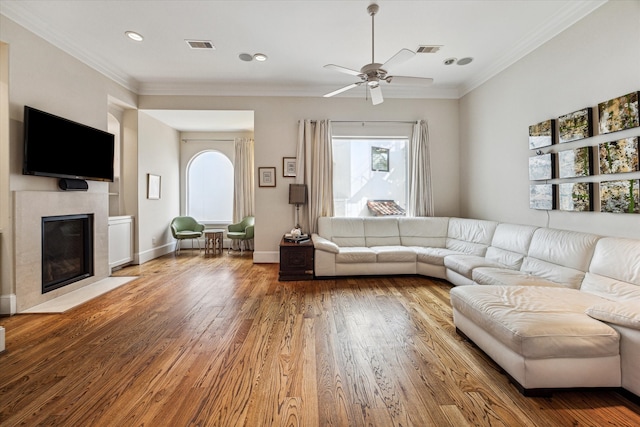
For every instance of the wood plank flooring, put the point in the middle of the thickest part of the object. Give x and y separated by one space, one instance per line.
218 341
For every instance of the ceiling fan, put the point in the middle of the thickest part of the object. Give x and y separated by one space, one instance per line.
374 73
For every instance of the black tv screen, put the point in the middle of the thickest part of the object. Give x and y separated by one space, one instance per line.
61 148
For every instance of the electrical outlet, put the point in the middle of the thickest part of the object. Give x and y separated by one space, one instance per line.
153 241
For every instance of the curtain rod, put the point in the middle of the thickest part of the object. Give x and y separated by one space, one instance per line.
369 121
206 139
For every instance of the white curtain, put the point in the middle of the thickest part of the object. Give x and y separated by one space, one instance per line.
314 163
420 201
243 186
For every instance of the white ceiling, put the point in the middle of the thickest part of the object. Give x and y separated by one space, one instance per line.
299 37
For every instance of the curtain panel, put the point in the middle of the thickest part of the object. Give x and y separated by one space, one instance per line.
243 186
314 162
420 200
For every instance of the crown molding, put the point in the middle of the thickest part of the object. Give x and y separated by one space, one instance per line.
567 16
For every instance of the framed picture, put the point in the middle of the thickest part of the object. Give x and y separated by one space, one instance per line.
576 196
289 166
620 196
266 177
575 163
619 113
541 167
576 125
542 196
619 156
153 186
542 134
379 159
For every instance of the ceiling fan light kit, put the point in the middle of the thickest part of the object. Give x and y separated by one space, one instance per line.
372 74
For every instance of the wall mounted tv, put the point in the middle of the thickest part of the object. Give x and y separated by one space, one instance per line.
61 148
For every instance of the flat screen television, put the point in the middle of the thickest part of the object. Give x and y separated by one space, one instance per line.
60 148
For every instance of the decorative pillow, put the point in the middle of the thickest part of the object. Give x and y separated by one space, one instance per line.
623 313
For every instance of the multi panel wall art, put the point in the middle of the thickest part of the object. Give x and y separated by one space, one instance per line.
574 163
542 196
619 113
542 134
541 167
621 196
576 125
619 156
576 196
588 174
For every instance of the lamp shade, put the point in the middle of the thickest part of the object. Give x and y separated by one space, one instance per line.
297 194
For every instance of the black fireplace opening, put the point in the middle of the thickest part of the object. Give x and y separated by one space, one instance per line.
67 250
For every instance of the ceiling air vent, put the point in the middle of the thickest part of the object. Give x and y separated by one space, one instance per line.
428 49
200 44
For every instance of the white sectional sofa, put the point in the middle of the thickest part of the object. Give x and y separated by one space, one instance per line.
554 308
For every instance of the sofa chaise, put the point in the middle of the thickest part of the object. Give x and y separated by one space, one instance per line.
554 308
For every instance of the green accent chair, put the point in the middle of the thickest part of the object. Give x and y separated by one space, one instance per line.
186 227
241 231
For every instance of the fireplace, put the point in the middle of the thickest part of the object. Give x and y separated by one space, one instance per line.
67 250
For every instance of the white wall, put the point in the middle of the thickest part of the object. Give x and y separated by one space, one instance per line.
158 154
275 134
595 60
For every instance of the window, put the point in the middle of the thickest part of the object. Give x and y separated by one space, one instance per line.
210 188
369 176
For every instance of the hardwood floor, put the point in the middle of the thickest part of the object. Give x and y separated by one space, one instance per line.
220 342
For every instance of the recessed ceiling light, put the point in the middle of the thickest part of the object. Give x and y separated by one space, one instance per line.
134 36
246 57
465 61
260 57
449 61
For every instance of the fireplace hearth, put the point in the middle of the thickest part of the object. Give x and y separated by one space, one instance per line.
67 250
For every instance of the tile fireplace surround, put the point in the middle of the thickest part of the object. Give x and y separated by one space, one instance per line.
30 208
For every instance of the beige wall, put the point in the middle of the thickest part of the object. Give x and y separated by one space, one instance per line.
276 121
42 76
595 60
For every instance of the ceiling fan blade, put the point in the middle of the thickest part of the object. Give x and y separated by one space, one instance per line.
344 89
376 95
400 57
343 70
413 81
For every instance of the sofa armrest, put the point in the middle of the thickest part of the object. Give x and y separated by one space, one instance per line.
623 313
324 244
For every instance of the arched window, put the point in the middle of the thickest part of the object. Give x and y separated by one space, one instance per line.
210 188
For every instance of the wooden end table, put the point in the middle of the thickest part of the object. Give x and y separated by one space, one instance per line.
296 260
213 239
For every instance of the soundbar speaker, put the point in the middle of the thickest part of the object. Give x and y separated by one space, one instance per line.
69 184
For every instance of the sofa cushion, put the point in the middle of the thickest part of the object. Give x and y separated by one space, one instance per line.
538 323
345 232
470 236
614 272
510 244
465 264
507 277
394 254
561 247
355 255
623 313
381 232
433 256
423 231
610 289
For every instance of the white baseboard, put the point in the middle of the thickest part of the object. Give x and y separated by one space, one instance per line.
156 252
264 257
8 304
